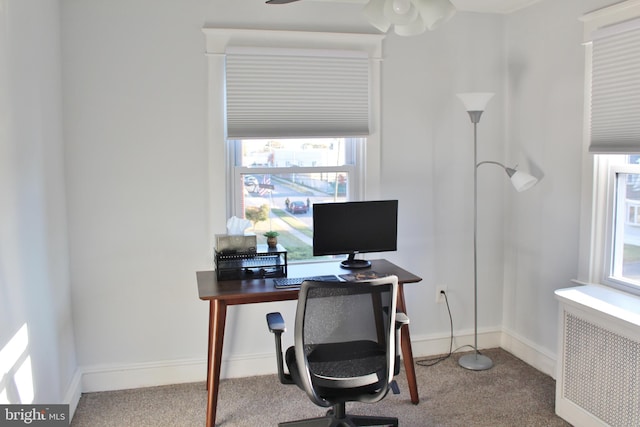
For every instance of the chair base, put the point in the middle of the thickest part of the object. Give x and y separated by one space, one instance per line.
348 421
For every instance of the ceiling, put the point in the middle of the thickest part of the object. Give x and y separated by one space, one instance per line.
484 6
492 6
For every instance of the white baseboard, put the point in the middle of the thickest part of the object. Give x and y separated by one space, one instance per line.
528 352
136 375
72 397
431 345
522 348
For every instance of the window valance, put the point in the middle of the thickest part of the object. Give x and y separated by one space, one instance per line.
615 89
281 92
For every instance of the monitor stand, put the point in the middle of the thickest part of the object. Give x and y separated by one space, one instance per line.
352 263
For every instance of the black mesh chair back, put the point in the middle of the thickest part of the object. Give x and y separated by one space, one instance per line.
345 340
345 347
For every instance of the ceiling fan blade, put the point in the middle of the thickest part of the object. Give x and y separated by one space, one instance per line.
280 1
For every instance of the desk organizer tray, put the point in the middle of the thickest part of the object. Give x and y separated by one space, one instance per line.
265 262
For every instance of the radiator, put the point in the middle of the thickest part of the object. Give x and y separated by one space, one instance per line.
598 375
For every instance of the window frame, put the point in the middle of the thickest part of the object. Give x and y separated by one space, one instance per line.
217 40
610 166
599 171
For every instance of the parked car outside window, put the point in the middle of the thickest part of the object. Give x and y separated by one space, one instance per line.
250 180
298 207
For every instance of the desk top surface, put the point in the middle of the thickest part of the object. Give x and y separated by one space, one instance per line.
263 290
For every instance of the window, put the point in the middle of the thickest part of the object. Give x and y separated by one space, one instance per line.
293 119
277 181
612 40
621 252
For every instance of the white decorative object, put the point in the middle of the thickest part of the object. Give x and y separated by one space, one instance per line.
408 17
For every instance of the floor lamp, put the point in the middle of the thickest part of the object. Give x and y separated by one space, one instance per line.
475 104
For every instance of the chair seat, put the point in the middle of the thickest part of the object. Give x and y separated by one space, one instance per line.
343 370
346 359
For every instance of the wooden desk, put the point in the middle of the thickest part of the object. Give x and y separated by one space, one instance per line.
224 293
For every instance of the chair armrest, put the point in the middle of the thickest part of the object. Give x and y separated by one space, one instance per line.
276 325
401 319
275 322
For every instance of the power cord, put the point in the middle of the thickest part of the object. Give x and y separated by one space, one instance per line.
435 360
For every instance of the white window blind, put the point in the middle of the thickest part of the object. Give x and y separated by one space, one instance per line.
615 89
296 93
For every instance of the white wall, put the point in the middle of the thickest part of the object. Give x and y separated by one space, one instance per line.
428 164
136 177
34 281
135 121
544 117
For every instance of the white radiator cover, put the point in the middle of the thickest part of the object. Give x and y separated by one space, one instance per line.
598 375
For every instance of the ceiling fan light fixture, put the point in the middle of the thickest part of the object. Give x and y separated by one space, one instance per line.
409 17
374 13
396 15
411 29
401 6
435 12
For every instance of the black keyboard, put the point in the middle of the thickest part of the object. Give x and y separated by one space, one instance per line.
295 282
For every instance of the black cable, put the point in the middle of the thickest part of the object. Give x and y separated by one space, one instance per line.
435 360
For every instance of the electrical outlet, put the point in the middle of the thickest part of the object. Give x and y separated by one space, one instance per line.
439 293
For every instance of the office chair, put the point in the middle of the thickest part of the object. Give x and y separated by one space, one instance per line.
346 347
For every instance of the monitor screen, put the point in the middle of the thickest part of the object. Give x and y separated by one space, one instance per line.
350 228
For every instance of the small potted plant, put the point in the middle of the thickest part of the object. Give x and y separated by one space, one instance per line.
272 238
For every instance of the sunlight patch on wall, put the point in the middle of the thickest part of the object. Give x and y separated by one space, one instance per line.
16 385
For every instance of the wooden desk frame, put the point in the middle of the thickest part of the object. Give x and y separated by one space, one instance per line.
235 292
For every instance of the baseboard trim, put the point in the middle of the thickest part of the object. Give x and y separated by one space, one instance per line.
431 345
74 392
136 375
528 352
150 374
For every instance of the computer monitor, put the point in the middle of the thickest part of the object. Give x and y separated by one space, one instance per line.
350 228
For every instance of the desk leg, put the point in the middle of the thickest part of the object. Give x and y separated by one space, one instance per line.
217 317
407 352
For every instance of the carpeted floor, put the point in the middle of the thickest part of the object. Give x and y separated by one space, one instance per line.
510 394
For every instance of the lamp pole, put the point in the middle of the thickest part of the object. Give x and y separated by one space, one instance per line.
475 361
474 104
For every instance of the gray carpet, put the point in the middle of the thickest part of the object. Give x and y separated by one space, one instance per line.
510 394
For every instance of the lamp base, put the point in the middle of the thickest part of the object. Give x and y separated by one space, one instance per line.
475 362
